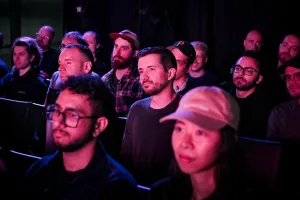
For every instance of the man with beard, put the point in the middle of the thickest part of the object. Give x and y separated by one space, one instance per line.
44 38
284 119
146 148
253 41
123 79
80 169
289 48
74 60
284 126
255 106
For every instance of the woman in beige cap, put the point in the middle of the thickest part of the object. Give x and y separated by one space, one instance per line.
204 142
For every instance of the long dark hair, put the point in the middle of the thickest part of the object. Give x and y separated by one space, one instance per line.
227 175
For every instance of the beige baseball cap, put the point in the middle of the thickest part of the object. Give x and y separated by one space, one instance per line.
209 107
128 35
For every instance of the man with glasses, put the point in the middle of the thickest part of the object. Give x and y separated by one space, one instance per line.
81 168
45 38
284 119
74 60
254 104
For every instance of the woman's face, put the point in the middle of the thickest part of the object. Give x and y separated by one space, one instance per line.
195 148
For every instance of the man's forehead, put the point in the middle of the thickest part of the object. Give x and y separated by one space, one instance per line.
291 69
122 42
178 54
70 40
20 49
247 61
292 40
254 35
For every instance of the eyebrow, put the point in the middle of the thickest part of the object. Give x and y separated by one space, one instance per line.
79 110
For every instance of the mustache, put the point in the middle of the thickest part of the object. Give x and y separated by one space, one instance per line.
147 82
60 131
121 58
239 78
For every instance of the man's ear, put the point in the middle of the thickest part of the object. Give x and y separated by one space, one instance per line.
87 67
32 58
260 78
171 73
100 126
135 53
244 43
206 59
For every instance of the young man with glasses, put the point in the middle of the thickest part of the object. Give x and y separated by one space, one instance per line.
81 168
284 119
254 102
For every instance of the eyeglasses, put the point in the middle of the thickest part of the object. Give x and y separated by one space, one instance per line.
246 70
62 46
44 37
70 117
290 77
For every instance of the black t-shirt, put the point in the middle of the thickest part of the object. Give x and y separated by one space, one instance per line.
146 148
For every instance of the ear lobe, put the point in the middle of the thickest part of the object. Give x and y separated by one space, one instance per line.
260 78
100 126
87 67
171 73
32 58
244 43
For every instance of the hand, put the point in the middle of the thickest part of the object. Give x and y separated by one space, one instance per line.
44 75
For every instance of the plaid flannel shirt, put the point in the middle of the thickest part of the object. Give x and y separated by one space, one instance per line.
128 90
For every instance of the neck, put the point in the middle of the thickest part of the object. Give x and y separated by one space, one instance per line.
197 74
95 58
204 184
24 70
120 73
244 93
178 83
161 100
77 160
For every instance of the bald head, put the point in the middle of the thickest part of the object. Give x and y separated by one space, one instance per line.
253 41
45 37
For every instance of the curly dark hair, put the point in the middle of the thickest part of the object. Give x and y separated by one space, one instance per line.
103 104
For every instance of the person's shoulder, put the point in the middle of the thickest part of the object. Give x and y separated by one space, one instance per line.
119 173
106 76
95 74
141 104
121 182
39 164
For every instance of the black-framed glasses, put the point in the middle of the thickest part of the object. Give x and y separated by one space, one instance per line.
42 36
246 70
62 46
290 77
70 117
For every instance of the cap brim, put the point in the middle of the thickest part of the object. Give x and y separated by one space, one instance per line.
114 36
198 119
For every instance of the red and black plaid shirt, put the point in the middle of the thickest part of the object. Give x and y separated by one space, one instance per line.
128 90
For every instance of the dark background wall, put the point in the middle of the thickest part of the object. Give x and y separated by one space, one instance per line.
222 24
